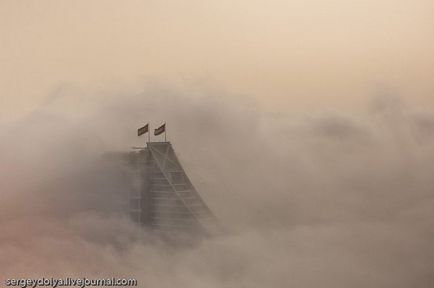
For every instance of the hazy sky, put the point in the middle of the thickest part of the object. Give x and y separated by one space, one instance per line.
293 54
333 199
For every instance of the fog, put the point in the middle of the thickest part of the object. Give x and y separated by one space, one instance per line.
314 200
290 55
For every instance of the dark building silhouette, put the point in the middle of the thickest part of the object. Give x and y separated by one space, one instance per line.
161 196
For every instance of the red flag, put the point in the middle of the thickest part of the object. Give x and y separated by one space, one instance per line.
143 130
160 129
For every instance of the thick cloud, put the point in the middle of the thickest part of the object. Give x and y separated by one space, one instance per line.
326 200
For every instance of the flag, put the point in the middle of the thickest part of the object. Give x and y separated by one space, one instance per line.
143 130
160 129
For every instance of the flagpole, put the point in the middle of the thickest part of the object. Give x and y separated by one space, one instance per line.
149 134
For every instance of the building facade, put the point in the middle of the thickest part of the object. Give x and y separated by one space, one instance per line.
161 196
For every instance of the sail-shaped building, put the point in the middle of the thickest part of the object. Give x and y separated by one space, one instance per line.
161 195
